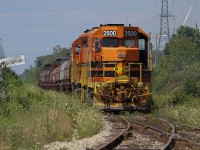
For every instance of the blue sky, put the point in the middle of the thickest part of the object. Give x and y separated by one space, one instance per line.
35 27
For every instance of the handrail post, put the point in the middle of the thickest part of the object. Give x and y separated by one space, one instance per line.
140 72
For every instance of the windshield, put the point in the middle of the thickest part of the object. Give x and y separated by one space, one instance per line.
128 42
110 42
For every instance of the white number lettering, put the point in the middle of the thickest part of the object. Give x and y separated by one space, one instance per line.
109 33
130 33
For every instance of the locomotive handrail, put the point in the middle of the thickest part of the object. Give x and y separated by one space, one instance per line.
140 65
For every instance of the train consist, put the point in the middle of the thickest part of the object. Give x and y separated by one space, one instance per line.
109 67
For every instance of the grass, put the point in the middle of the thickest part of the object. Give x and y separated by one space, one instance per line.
88 123
178 108
178 98
33 117
87 120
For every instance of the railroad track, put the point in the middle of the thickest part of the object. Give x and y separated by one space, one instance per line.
187 137
129 134
144 136
144 132
120 129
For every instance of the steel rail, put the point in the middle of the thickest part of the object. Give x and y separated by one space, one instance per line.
171 135
159 130
113 142
149 126
190 128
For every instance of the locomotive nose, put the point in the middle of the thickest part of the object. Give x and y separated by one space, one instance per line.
122 68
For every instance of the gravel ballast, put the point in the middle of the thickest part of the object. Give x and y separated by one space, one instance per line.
82 144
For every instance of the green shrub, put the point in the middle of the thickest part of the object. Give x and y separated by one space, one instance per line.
178 97
190 88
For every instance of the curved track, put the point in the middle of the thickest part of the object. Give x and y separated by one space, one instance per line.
187 137
120 129
129 134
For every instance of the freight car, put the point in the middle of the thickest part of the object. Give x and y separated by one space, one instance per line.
109 66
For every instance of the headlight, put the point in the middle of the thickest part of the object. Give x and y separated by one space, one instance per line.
140 84
98 85
105 85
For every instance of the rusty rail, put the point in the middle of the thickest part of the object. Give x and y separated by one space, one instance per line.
113 142
171 135
161 131
131 124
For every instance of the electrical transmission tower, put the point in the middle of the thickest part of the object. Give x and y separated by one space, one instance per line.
164 23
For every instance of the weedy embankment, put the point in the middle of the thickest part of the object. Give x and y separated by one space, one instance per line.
31 117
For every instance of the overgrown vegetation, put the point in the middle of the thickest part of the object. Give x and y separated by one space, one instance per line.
176 81
31 117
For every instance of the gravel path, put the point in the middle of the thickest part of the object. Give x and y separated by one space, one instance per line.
83 143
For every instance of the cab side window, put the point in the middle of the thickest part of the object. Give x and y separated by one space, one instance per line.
77 49
141 44
96 45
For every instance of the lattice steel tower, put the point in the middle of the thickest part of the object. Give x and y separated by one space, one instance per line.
164 23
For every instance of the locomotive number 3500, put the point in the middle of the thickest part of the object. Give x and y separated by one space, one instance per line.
109 33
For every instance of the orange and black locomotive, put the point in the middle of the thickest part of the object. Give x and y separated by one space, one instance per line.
110 66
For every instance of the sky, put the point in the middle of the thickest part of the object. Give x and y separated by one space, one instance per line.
34 27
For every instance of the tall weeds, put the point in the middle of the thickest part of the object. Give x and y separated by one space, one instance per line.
36 117
32 118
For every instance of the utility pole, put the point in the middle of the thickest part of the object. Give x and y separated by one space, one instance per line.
2 87
1 50
164 24
156 58
2 84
